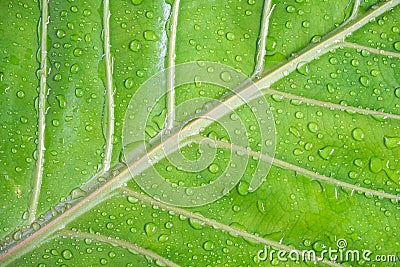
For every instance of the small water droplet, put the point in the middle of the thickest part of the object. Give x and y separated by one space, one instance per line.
230 36
67 254
326 152
225 76
150 228
74 68
213 168
391 142
62 102
396 46
375 164
135 45
364 80
128 83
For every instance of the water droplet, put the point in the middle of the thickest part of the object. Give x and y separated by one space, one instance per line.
196 224
396 46
77 52
57 77
78 92
243 188
364 80
225 76
230 36
67 254
17 235
302 68
150 228
208 245
87 12
55 123
375 164
74 68
326 152
128 83
397 92
163 238
62 102
358 134
74 9
135 45
20 94
290 9
313 127
60 34
136 2
149 14
213 168
149 35
391 142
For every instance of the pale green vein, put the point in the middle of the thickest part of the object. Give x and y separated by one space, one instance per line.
118 242
370 49
314 51
170 117
213 223
289 166
354 12
262 38
325 104
37 179
109 88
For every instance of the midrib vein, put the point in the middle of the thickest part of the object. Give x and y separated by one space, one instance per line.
370 49
37 179
262 39
286 165
321 48
331 105
213 223
109 101
170 117
118 242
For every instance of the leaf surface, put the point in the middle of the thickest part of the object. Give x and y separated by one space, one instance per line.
328 72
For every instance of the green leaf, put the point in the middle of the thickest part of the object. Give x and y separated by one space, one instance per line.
132 135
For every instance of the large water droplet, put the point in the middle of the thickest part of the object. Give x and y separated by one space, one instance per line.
326 152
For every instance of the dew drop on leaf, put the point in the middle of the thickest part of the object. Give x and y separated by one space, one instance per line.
396 46
208 246
391 142
149 35
150 228
375 164
135 45
67 254
230 36
225 76
364 80
213 168
326 152
358 134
